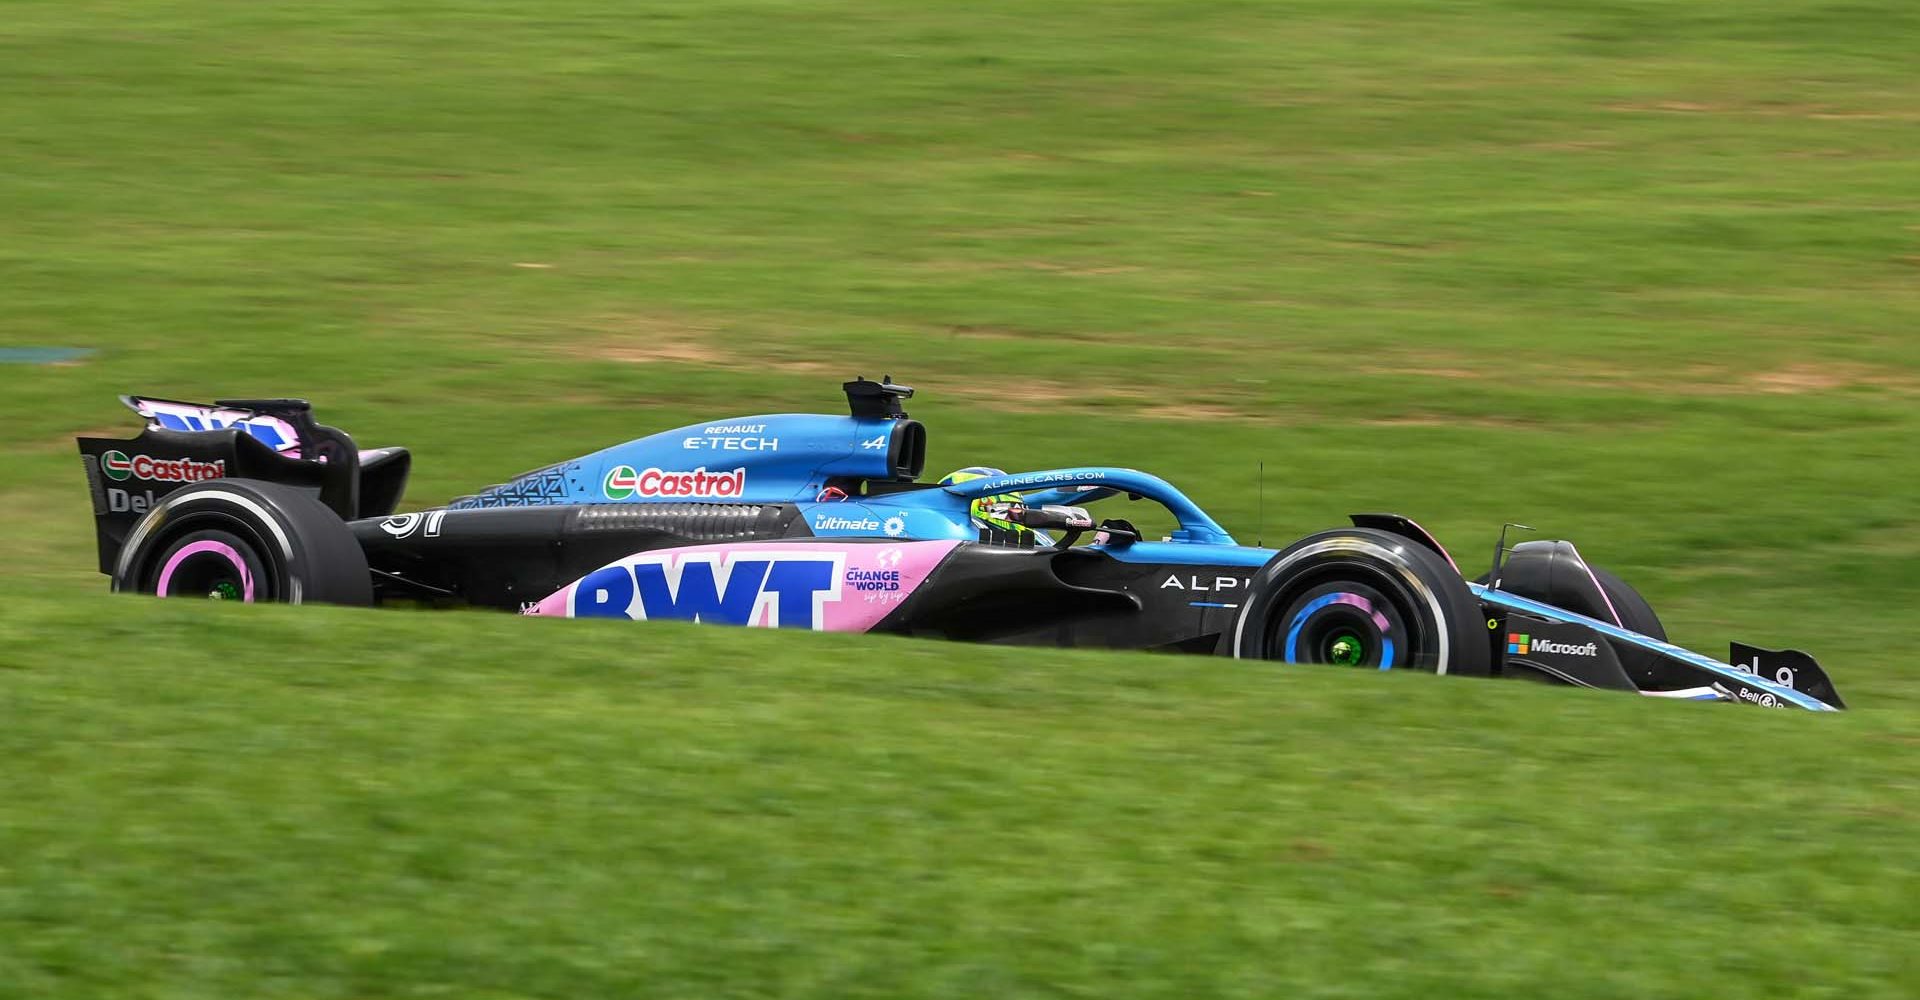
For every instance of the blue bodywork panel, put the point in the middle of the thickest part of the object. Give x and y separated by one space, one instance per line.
766 458
1244 557
793 457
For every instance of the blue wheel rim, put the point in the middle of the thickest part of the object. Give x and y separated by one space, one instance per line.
1347 599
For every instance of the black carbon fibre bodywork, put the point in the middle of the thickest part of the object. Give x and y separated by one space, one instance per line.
504 557
1066 598
121 499
509 557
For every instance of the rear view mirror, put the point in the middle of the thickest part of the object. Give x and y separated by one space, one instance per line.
1051 518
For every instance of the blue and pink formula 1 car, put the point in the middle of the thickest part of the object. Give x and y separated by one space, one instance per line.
821 521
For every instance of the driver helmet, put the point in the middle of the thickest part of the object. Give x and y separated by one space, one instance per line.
982 517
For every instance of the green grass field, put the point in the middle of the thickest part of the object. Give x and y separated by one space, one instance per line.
1643 274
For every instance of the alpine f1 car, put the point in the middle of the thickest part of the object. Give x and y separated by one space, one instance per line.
819 521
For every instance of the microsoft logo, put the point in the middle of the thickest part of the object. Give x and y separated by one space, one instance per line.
1521 644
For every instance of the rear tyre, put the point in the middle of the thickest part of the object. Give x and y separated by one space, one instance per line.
238 539
214 564
1361 597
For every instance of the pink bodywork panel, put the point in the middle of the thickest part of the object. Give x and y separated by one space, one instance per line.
869 579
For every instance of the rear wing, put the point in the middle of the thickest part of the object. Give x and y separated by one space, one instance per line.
273 425
272 440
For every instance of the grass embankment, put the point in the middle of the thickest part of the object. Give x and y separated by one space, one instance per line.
321 803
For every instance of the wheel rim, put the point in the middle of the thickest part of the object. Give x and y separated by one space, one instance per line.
207 569
1343 624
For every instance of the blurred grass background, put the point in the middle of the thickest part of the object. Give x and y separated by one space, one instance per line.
1644 274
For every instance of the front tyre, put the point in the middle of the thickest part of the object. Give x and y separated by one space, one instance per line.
244 540
1360 597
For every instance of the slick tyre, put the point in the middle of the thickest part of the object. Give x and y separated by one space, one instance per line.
1636 615
1366 598
244 540
1624 606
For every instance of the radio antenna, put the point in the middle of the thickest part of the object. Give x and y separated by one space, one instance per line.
1500 551
1260 515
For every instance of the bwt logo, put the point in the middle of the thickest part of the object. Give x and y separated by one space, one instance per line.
761 589
266 429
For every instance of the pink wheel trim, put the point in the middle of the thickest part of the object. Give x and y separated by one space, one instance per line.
220 548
